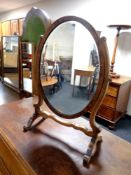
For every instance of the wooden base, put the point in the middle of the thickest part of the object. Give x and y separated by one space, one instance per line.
92 147
55 149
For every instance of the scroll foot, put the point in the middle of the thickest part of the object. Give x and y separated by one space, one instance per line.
92 147
30 123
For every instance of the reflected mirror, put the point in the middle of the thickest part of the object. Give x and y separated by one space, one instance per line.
10 60
69 68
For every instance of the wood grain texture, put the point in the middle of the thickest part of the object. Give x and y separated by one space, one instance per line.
3 169
11 162
53 149
115 103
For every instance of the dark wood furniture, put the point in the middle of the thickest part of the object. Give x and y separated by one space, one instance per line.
49 150
115 102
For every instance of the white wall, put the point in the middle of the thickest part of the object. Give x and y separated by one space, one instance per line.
83 45
99 13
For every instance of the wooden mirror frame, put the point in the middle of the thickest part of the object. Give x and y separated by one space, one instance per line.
18 88
95 102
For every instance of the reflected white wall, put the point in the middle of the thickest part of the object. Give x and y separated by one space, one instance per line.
60 43
83 44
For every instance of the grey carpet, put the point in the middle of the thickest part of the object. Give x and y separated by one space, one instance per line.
122 128
61 100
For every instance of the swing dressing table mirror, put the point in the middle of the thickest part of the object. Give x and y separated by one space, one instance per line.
72 75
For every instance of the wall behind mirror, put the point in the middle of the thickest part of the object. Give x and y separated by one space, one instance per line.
69 73
11 63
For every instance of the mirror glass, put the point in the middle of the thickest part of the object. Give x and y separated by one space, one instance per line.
27 54
10 60
69 68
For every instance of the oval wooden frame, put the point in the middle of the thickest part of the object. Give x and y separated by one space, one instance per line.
104 67
94 104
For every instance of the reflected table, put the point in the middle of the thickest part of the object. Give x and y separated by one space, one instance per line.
87 73
49 82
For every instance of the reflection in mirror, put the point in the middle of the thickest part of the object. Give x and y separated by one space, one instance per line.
10 60
69 68
27 53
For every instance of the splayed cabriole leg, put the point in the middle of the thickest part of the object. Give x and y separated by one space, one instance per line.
30 122
92 147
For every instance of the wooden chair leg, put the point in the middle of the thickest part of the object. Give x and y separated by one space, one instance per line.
73 85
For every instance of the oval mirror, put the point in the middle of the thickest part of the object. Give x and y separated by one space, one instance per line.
69 66
72 76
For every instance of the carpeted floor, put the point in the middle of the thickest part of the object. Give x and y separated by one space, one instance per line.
122 129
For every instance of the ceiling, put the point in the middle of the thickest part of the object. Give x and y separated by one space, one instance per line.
7 5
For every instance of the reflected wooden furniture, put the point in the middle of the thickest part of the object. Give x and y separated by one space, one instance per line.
48 149
50 81
115 102
86 73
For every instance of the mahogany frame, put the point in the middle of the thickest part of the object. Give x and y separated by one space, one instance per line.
95 102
